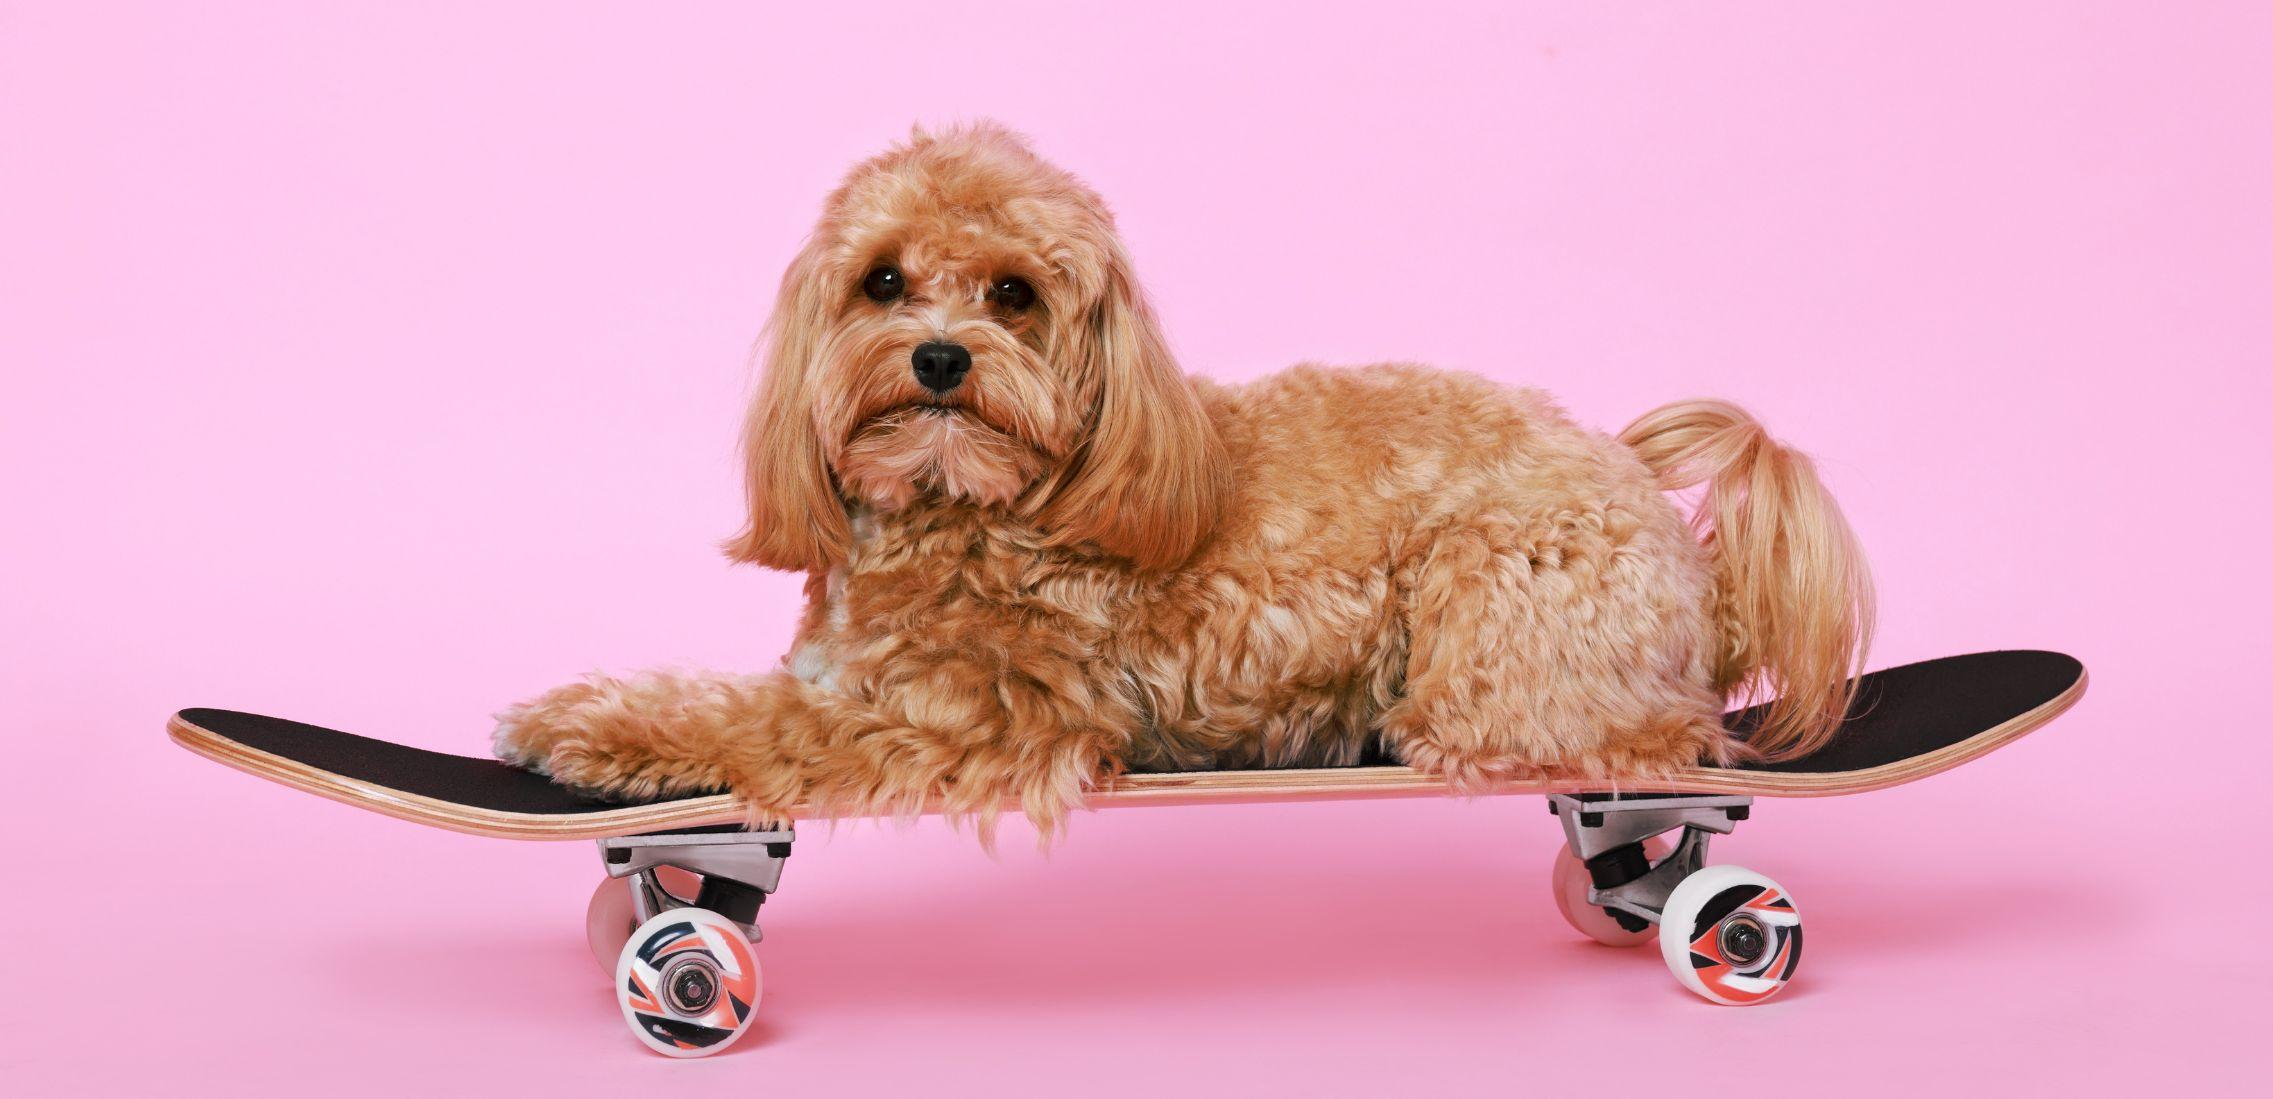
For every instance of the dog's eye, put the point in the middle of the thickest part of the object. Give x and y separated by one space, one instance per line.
884 283
1012 293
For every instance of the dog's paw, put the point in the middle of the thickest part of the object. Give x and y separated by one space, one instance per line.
585 768
527 734
618 770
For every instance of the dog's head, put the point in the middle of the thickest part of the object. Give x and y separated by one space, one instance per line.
964 324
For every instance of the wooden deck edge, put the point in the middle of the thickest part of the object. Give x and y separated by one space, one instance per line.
1190 788
433 812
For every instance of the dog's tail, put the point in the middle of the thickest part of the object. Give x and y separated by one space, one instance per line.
1791 591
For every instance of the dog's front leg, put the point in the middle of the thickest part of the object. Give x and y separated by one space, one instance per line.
944 732
661 734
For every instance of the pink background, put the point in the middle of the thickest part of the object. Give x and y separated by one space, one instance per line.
378 366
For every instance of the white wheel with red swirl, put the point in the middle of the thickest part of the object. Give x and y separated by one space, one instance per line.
688 983
608 917
1730 935
1572 881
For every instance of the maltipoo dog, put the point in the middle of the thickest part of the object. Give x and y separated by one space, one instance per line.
1038 554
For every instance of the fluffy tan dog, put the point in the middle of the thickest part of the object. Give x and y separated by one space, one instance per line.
1039 554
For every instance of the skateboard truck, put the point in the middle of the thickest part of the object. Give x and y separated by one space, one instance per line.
1727 933
738 870
1630 877
674 921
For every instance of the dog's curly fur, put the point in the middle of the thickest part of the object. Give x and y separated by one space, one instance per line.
1081 561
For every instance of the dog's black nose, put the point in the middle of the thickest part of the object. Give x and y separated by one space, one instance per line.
941 366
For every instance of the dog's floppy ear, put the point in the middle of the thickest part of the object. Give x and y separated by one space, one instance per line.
1148 480
797 521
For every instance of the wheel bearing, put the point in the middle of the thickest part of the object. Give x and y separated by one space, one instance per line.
690 986
1743 940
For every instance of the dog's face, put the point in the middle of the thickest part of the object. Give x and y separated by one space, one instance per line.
963 324
950 274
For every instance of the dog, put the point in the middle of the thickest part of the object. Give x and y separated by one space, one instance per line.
1038 554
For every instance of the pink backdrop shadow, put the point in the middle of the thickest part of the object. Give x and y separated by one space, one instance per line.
377 366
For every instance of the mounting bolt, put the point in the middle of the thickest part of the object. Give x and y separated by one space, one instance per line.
777 850
617 856
1590 820
1740 812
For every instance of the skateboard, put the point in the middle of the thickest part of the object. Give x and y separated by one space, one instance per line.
675 919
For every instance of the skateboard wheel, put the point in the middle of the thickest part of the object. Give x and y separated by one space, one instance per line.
1571 881
688 983
609 918
1731 935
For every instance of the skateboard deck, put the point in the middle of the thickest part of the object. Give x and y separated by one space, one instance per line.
1907 723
